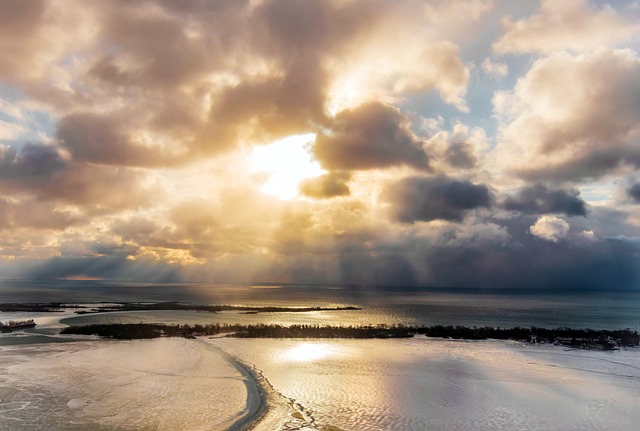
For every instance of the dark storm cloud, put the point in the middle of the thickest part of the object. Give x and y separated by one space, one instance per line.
370 136
538 199
110 266
607 264
519 260
326 186
435 198
634 192
31 160
585 167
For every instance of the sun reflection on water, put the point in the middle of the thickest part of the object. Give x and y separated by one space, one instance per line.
308 352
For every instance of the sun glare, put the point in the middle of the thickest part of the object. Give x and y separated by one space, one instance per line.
285 164
308 352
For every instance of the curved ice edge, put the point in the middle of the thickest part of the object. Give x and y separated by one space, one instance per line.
257 395
265 404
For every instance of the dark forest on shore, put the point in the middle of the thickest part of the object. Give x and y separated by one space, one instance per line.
579 338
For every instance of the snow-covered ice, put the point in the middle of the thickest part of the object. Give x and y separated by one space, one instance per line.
391 384
161 384
429 384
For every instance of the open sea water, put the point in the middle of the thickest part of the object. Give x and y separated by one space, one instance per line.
441 306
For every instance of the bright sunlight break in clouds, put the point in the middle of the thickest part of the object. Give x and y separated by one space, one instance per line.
471 143
285 164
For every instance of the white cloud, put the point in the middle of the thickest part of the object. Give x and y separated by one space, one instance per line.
564 25
497 70
550 228
571 116
10 130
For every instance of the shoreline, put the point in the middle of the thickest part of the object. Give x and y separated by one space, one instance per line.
575 338
268 409
257 396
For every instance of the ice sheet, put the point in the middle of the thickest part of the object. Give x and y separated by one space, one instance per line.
418 384
396 384
161 384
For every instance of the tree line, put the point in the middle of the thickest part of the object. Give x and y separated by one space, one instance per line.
588 338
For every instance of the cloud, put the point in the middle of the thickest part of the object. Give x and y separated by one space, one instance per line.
435 198
460 155
550 228
326 186
634 192
30 161
460 149
370 136
538 199
29 213
438 66
566 25
564 121
104 139
497 70
128 134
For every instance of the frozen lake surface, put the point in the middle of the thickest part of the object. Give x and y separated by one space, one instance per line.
429 384
160 384
395 384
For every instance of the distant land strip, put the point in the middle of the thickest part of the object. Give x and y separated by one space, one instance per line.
168 306
49 307
578 338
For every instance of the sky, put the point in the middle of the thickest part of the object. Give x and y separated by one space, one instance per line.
466 143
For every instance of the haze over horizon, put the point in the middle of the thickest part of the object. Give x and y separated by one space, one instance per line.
471 143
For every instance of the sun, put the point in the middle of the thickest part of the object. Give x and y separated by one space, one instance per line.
284 164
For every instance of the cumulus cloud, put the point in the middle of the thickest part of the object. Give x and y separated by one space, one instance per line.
550 228
431 64
435 198
104 139
538 199
497 70
571 117
370 136
31 160
569 24
461 148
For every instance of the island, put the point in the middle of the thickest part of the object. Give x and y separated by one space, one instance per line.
178 306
